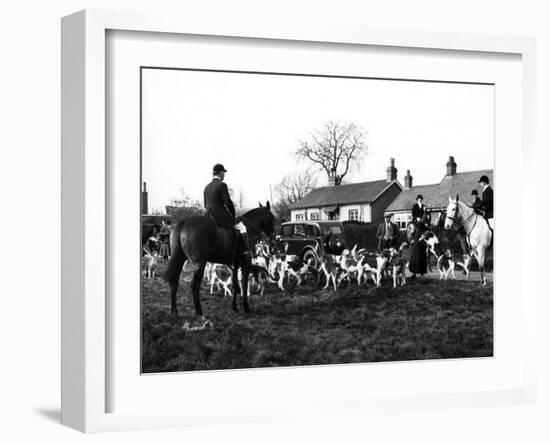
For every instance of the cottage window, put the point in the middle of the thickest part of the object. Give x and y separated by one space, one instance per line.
353 215
299 217
314 216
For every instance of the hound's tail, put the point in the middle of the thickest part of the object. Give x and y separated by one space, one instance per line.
177 258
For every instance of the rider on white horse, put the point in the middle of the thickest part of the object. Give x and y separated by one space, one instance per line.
478 233
487 200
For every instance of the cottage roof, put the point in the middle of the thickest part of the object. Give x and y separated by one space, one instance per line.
436 196
344 194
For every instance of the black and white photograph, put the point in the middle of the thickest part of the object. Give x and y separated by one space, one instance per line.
298 220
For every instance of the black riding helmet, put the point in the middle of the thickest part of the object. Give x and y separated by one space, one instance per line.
218 168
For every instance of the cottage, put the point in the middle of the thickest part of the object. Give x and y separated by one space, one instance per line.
436 196
364 202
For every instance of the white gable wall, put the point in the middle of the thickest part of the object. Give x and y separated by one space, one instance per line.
364 213
295 214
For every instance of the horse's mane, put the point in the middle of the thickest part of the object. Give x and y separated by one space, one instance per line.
254 216
462 205
253 211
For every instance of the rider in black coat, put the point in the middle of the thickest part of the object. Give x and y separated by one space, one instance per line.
221 209
218 204
418 210
419 216
487 201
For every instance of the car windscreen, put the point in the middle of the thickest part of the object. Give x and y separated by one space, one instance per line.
287 230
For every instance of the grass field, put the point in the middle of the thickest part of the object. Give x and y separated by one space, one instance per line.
428 319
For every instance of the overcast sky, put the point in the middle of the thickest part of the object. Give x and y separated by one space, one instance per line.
251 124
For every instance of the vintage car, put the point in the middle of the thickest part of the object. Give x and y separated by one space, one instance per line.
311 239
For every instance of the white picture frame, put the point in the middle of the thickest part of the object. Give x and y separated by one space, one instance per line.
84 215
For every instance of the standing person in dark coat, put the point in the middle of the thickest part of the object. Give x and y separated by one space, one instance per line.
419 260
487 200
221 209
387 234
164 237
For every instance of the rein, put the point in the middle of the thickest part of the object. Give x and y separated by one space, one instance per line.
455 221
255 230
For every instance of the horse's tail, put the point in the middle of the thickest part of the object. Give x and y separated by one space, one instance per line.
177 257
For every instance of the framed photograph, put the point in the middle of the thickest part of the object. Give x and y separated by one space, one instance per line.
265 222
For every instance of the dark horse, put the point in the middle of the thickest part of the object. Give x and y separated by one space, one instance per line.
200 240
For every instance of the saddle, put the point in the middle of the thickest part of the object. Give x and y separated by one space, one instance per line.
229 234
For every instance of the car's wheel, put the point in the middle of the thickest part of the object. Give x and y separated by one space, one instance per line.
310 256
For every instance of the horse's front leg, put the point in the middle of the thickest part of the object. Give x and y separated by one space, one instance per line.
481 262
245 271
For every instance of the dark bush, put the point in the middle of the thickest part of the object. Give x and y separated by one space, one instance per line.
362 234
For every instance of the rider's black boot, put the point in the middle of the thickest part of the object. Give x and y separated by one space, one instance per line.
246 249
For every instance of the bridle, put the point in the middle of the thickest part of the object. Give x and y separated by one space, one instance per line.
256 231
455 221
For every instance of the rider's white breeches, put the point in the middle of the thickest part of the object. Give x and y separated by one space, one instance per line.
240 227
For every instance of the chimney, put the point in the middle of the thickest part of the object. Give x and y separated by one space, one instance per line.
144 200
408 180
391 171
332 181
451 167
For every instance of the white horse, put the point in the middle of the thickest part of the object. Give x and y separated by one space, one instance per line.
478 233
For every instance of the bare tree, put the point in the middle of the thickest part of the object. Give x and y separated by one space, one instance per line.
335 148
292 188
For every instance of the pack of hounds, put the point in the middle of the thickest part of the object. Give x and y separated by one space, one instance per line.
355 266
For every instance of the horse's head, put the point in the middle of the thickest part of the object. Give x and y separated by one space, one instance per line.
266 219
452 213
261 218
